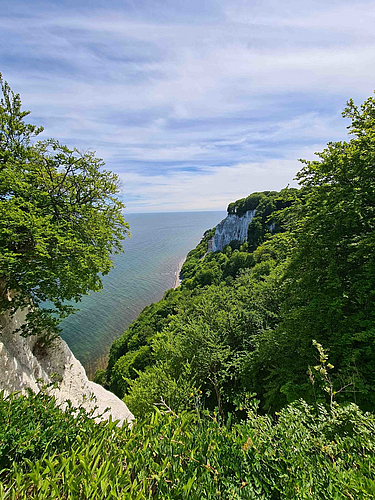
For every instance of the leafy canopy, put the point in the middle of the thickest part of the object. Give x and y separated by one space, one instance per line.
307 453
244 319
59 219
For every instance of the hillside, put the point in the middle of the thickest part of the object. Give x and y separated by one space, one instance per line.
245 317
252 380
211 280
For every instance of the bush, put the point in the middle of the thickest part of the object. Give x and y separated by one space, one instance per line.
33 426
307 453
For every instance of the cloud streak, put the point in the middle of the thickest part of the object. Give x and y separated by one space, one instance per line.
193 106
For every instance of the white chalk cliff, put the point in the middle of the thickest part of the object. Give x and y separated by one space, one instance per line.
23 364
231 228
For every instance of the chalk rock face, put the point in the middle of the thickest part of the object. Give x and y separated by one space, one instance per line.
231 228
24 364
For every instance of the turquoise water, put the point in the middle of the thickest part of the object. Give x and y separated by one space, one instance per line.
141 275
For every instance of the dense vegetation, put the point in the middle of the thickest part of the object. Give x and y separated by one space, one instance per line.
59 220
249 381
309 453
244 319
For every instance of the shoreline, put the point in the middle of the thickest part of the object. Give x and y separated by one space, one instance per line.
92 367
178 279
102 362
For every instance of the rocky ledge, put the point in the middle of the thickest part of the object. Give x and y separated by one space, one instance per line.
25 364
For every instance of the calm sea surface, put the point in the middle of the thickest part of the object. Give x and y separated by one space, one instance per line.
158 244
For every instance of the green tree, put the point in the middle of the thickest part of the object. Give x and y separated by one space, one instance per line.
59 220
330 291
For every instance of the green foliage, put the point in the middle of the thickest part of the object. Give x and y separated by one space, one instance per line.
306 453
240 207
267 219
207 343
250 321
243 320
238 260
32 426
130 351
203 333
127 367
331 276
59 220
157 383
100 377
193 258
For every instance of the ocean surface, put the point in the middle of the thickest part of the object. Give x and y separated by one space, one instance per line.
159 243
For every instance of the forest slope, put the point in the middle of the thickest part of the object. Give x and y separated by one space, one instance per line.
249 327
245 318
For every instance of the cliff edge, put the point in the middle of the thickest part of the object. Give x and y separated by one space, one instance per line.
233 227
25 364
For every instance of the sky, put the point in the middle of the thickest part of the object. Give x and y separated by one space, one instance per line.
194 104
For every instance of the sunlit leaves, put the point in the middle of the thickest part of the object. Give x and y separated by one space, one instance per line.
59 218
307 453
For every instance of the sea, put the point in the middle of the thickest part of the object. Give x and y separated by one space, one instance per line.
158 245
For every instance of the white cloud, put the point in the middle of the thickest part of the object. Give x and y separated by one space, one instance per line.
229 98
210 188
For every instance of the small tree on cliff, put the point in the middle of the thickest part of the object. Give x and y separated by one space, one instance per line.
59 220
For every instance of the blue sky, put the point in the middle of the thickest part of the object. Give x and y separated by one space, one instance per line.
194 104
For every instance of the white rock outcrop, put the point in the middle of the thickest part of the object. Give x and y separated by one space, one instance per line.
23 364
231 228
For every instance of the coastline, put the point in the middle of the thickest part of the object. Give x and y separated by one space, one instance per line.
138 279
178 279
102 362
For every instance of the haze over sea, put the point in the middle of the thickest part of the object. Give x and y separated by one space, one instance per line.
141 275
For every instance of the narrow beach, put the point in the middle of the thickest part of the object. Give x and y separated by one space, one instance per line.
177 281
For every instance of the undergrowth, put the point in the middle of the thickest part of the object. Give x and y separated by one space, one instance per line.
303 452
